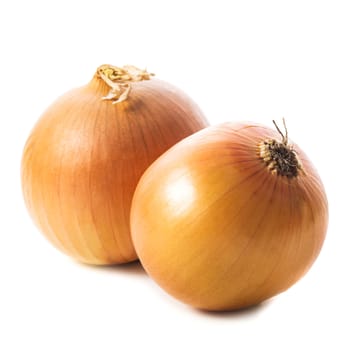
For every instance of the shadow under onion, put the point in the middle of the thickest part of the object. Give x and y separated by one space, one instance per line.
131 268
239 313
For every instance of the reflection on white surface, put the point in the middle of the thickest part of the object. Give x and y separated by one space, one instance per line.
180 194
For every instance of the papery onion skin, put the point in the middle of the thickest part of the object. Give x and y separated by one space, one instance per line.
217 229
85 155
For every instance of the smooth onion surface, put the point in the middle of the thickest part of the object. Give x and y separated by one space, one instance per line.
85 156
217 229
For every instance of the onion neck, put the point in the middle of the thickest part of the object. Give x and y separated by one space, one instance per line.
280 157
119 80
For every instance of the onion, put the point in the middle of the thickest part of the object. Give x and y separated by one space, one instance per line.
229 217
87 152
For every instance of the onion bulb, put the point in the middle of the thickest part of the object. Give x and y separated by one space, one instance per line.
85 155
229 216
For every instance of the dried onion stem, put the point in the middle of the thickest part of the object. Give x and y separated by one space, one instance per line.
120 79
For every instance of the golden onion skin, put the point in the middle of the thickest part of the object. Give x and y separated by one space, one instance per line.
217 229
85 155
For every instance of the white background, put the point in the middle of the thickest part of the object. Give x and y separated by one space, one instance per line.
239 60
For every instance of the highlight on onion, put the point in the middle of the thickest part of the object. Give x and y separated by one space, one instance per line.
85 155
229 216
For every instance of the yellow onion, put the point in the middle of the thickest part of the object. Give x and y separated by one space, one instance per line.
229 217
85 155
